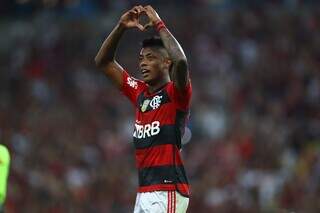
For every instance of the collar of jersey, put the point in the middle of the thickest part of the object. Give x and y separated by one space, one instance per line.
148 94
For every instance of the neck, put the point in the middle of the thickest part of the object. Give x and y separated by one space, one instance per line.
154 86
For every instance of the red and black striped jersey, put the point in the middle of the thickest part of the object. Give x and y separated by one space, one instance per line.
160 120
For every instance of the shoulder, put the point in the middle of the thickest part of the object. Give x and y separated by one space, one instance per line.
4 155
181 98
172 90
133 82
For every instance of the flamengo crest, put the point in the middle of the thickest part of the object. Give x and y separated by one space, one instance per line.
156 101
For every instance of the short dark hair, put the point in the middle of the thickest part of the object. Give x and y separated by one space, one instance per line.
154 41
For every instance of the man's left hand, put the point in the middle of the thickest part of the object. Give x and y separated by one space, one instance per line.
152 15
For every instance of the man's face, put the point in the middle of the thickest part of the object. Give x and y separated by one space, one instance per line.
153 64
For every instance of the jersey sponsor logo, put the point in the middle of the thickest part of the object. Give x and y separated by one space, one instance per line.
145 105
147 130
156 101
132 83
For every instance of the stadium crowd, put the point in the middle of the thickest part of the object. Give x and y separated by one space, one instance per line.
254 144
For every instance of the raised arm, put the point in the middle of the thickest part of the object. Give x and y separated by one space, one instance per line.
105 58
180 73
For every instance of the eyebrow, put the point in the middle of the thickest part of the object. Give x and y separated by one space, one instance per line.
148 54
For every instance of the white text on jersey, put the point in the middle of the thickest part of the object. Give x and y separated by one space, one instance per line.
147 130
132 83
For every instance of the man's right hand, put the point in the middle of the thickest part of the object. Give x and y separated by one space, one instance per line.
105 58
131 18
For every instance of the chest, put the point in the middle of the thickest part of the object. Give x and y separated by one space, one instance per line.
157 107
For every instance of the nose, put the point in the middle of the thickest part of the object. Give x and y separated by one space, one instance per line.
143 63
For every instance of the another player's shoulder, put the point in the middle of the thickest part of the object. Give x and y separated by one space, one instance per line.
3 149
4 154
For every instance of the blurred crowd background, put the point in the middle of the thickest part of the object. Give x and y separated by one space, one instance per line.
255 117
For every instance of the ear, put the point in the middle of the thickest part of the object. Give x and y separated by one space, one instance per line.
168 63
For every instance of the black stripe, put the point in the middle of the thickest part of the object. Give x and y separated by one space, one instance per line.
162 175
167 135
181 117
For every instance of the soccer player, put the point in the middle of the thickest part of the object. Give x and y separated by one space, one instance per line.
4 170
161 109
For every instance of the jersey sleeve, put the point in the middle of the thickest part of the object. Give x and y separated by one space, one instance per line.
181 98
131 87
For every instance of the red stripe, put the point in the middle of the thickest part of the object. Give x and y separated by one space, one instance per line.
169 202
172 204
174 201
181 98
166 114
183 188
160 155
169 206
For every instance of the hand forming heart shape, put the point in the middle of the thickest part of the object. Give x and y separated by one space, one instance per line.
140 17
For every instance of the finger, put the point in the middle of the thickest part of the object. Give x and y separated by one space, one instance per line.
148 10
140 27
148 7
148 25
135 9
141 8
133 12
138 8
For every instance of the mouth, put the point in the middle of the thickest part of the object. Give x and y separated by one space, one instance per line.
145 72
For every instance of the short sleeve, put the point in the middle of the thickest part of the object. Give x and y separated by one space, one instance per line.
132 87
181 98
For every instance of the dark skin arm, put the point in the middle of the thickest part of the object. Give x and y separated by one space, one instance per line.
105 58
180 73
